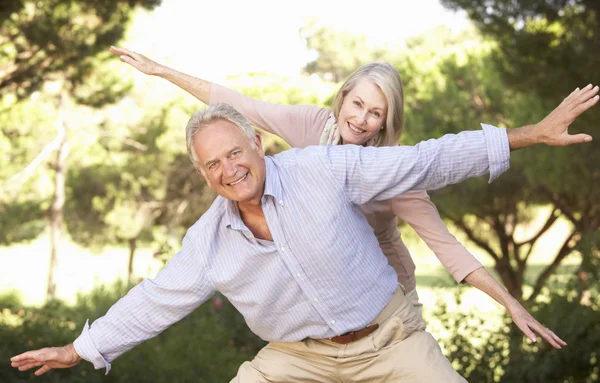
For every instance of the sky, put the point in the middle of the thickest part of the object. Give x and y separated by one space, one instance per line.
219 38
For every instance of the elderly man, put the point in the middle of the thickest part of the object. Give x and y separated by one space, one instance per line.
286 243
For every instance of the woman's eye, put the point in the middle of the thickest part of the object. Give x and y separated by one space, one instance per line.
376 114
356 103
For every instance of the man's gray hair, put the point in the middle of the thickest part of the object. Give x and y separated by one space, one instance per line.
203 118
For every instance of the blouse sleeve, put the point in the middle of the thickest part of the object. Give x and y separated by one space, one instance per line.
416 209
298 125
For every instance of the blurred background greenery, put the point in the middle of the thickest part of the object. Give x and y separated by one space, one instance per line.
96 190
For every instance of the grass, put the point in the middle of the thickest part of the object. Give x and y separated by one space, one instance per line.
24 269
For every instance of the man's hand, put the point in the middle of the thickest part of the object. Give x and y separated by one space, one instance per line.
136 60
528 324
554 129
48 358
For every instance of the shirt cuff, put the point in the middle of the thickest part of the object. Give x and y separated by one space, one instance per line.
496 141
85 347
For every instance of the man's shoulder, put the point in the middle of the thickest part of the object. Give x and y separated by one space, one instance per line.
211 220
300 156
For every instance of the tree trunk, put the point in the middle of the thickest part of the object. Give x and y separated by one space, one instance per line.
58 200
132 248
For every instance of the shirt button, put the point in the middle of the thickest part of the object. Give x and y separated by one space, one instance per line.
283 249
299 275
316 299
281 203
333 321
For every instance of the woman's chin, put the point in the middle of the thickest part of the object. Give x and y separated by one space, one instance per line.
352 139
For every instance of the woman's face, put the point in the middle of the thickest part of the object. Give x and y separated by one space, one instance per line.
363 113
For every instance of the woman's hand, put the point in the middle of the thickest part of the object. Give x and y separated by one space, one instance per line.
528 324
136 60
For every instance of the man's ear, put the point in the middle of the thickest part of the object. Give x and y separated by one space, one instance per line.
258 143
204 176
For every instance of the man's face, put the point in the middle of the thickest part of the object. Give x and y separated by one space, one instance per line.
229 163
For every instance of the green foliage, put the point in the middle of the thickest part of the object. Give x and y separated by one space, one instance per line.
540 40
338 53
206 346
21 221
547 48
61 44
484 354
459 90
41 39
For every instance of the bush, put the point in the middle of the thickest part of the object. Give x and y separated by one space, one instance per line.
206 346
507 356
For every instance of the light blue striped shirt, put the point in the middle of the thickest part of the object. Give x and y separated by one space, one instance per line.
324 273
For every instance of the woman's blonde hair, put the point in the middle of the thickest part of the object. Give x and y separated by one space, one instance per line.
386 77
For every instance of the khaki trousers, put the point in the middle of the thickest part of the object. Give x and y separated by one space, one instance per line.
400 350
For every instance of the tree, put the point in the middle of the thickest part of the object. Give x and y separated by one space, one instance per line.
118 198
338 53
492 216
41 39
60 41
549 48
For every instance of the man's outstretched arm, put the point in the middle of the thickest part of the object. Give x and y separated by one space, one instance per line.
369 173
147 310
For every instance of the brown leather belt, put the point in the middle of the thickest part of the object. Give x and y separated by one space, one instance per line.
353 336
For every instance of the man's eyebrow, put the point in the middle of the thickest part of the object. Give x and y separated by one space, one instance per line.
210 162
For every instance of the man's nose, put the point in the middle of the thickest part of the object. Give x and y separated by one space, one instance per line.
229 168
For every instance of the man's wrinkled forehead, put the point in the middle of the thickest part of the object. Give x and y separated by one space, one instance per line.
218 138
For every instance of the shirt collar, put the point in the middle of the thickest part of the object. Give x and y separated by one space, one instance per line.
272 181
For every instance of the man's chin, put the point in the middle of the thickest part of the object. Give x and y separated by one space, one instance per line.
240 197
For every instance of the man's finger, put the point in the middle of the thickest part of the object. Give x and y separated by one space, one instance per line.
20 362
577 139
43 370
584 95
30 365
585 105
570 97
26 355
